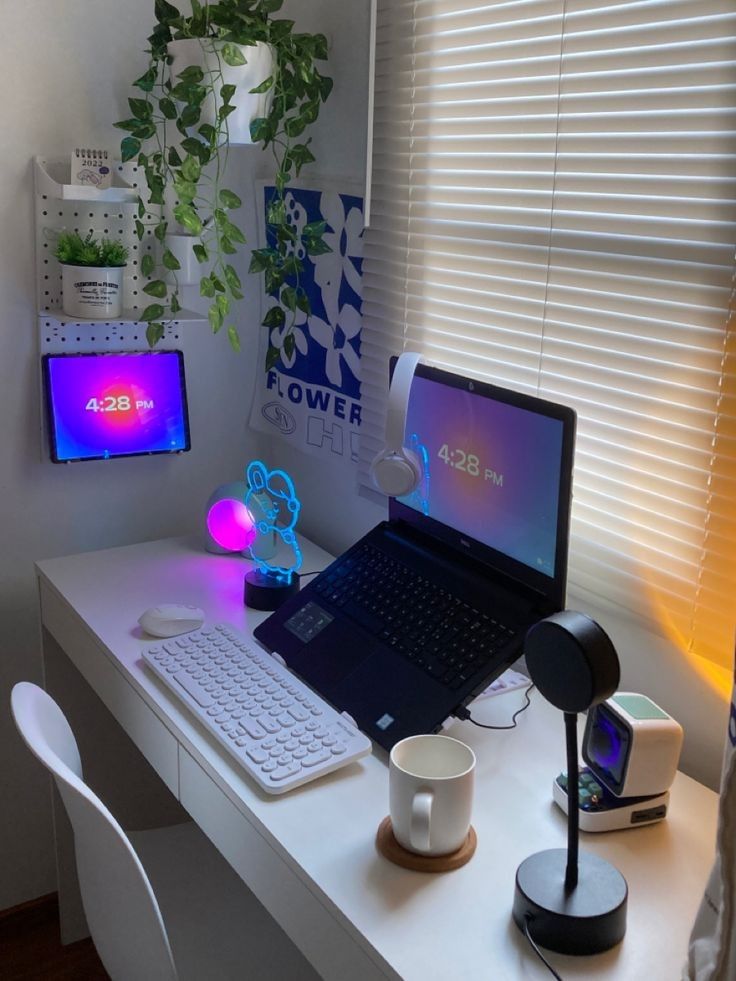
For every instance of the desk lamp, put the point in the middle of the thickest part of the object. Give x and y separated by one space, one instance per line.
571 902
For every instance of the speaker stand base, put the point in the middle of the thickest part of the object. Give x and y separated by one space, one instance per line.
586 920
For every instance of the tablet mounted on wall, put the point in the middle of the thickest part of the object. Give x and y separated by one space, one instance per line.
101 406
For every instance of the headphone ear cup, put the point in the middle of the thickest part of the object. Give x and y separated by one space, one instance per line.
396 472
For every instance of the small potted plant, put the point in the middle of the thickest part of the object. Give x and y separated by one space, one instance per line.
91 275
230 72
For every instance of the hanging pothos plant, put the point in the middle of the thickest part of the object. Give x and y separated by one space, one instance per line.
179 133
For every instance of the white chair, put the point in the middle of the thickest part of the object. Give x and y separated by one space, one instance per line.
161 905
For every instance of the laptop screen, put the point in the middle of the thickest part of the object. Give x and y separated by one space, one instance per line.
497 471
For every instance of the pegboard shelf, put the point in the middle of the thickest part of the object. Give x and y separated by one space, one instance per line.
52 179
127 319
65 335
57 212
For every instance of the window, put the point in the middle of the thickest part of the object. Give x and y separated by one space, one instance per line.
554 208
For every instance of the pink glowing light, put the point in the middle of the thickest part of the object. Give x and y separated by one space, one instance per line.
231 525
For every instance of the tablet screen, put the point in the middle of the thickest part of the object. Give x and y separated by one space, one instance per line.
108 405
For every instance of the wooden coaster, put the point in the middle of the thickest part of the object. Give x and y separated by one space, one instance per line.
389 847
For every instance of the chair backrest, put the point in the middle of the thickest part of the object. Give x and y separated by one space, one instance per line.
122 912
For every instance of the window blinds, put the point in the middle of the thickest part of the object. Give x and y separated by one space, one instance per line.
554 208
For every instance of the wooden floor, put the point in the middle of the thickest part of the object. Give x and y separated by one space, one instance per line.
30 949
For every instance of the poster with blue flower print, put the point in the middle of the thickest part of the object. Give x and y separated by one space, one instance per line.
308 378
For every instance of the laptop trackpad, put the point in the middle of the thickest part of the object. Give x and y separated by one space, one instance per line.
390 698
329 657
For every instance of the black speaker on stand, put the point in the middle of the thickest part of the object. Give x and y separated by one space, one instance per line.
571 902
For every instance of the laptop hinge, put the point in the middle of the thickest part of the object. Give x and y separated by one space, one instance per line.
520 598
425 543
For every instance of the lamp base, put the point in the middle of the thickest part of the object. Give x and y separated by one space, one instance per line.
587 920
264 592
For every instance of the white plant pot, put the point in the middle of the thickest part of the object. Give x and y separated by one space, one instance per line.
191 270
259 65
92 292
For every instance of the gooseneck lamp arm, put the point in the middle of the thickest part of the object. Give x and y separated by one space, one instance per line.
573 800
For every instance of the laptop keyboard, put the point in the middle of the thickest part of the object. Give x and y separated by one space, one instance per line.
425 622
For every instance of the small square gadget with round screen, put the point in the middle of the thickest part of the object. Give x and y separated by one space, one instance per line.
631 747
101 406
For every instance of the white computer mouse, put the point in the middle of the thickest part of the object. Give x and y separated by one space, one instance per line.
170 619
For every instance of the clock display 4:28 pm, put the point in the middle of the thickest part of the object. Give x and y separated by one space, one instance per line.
118 403
468 463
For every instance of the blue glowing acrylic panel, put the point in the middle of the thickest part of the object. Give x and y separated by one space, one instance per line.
110 405
274 507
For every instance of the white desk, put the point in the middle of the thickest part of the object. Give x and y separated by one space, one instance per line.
310 857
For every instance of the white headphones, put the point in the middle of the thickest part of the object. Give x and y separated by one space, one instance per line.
397 470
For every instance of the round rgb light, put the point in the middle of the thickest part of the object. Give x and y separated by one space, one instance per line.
231 525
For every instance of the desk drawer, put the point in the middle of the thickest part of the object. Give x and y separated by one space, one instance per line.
98 668
334 953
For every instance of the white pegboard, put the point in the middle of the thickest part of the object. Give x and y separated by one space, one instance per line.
57 211
60 206
190 335
61 336
68 336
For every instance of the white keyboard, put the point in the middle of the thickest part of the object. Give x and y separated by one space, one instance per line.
272 723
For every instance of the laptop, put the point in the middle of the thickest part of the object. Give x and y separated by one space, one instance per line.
404 629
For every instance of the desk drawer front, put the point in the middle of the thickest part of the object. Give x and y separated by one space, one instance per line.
322 940
95 665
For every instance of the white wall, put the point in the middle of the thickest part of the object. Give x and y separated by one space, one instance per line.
67 69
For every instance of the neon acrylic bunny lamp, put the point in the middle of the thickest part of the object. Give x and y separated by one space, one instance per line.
271 500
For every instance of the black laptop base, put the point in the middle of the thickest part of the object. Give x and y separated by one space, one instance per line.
400 657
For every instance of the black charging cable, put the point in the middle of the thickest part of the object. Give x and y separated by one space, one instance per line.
527 920
462 713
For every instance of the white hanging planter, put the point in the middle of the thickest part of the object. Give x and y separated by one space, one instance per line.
190 270
259 65
92 292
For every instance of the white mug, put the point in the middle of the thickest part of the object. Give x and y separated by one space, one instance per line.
431 793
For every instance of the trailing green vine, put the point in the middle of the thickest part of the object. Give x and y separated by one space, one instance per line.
184 175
